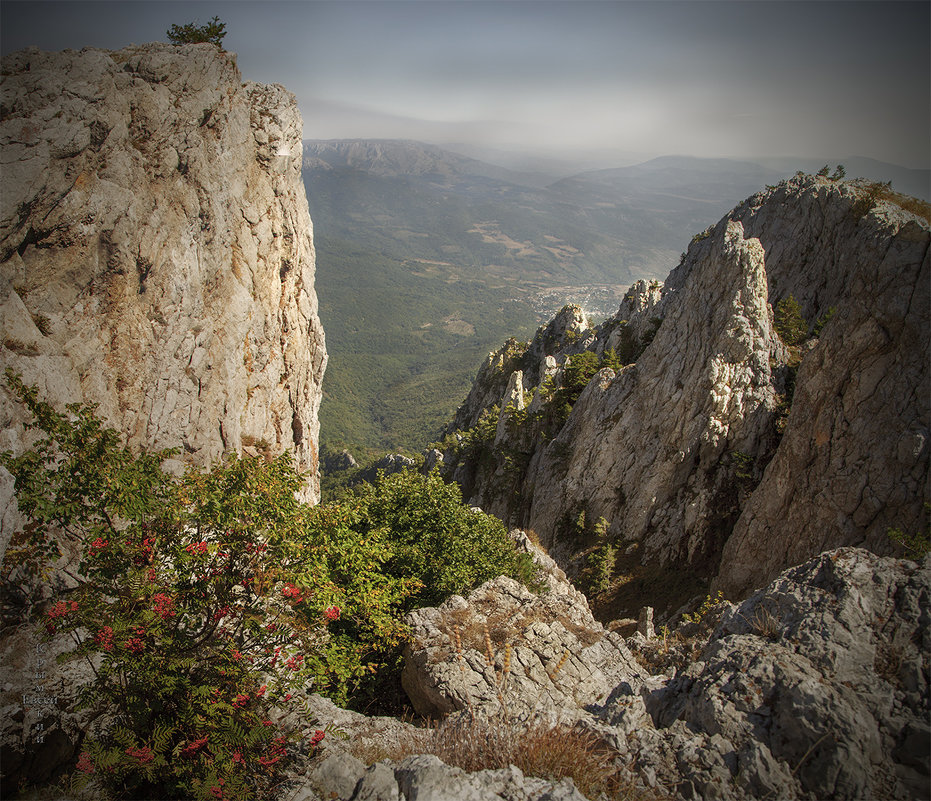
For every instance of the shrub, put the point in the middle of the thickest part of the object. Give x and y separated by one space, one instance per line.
437 542
205 600
213 33
789 322
601 564
186 603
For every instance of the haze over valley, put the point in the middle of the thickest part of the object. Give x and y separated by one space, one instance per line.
429 259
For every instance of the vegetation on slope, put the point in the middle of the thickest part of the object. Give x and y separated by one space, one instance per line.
205 601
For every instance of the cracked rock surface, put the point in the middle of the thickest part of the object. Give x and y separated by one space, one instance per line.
718 448
156 251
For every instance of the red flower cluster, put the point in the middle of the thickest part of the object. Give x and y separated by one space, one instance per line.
318 736
332 613
164 605
134 645
261 691
144 755
84 763
192 748
294 663
104 638
290 591
145 552
221 613
199 547
241 700
98 545
275 752
61 609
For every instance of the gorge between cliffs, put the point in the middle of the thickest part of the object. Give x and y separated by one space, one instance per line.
687 544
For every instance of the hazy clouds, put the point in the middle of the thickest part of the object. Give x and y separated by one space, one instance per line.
701 78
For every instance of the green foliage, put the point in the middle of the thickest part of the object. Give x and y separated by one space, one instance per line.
611 360
178 584
789 322
876 191
743 470
915 546
602 560
839 173
206 600
396 369
577 373
437 541
212 33
823 172
601 563
632 346
707 605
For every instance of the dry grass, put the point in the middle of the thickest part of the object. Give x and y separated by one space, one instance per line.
473 740
543 751
765 624
875 192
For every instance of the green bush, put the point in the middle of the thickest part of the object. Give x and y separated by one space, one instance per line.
207 600
213 33
790 324
437 541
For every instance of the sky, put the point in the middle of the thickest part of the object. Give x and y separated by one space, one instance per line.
703 78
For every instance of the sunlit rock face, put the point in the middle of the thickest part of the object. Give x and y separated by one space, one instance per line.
716 446
156 259
156 251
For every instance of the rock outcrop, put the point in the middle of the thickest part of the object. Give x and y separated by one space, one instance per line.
156 259
504 650
816 687
712 443
156 252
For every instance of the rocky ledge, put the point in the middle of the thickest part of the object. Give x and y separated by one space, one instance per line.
815 687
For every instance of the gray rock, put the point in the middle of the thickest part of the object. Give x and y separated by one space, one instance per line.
156 251
378 784
804 676
695 452
504 649
337 775
427 778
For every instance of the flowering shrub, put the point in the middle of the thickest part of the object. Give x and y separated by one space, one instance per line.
202 603
206 601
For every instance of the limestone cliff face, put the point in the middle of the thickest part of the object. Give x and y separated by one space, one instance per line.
699 452
156 251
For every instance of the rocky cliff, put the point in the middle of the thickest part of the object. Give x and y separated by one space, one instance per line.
707 440
815 687
156 252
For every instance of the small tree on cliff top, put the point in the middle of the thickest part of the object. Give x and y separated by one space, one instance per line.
213 32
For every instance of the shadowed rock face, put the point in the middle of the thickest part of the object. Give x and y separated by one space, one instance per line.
156 252
720 448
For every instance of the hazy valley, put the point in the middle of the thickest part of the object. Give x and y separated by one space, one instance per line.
429 259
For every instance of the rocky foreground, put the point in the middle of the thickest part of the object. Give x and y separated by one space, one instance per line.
815 687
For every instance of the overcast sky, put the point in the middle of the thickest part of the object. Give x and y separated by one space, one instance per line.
734 79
